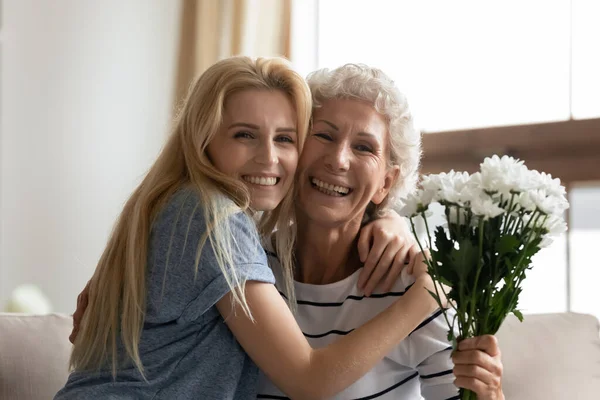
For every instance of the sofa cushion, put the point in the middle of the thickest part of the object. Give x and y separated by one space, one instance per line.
551 356
34 355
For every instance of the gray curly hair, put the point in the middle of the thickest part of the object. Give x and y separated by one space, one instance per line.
364 83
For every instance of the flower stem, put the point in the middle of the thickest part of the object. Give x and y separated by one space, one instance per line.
467 394
479 268
432 265
508 218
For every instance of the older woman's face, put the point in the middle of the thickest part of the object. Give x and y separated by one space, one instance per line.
343 165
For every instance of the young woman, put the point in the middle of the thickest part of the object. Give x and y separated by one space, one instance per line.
186 255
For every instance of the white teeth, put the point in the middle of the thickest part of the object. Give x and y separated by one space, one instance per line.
258 180
329 187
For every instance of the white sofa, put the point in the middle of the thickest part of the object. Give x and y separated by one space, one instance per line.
547 357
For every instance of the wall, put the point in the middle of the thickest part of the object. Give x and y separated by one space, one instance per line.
86 102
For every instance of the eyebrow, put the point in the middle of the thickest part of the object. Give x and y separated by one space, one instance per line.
256 127
334 127
331 124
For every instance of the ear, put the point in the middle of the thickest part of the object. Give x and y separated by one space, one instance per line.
388 182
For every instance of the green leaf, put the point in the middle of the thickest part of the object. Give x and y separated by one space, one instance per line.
442 242
450 335
533 248
507 244
518 315
464 259
445 281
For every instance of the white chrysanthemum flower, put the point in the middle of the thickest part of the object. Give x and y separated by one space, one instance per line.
427 197
525 202
456 188
408 206
544 181
546 242
504 175
549 205
555 225
432 182
551 225
484 206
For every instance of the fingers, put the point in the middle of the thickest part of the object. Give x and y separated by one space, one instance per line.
482 390
476 357
390 266
475 372
412 256
413 252
418 266
395 271
485 385
382 265
82 303
373 257
364 242
486 343
477 366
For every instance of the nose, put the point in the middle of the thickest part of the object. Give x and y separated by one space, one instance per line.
339 159
267 153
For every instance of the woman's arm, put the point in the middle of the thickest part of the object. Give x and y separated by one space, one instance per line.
277 345
275 342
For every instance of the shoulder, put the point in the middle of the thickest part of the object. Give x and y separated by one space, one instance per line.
186 210
186 202
181 228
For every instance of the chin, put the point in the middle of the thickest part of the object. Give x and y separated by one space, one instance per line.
262 205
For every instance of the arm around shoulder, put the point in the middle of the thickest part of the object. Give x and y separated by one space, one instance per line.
275 342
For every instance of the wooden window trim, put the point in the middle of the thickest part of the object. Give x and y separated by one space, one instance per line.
569 150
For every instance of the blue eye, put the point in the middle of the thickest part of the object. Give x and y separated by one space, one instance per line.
243 135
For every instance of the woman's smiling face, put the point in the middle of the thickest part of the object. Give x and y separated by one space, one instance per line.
343 165
257 143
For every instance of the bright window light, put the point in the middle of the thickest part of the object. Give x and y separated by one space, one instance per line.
462 64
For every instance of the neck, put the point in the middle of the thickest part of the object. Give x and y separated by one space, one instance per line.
326 254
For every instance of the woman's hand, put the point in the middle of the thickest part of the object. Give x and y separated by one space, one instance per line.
477 367
385 246
82 302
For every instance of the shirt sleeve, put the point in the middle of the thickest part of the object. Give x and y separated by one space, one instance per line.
177 290
431 354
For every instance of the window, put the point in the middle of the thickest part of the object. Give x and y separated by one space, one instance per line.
583 244
465 64
509 77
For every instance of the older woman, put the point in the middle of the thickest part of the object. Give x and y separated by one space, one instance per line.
363 150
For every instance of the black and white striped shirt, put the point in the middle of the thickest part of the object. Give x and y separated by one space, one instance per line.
419 367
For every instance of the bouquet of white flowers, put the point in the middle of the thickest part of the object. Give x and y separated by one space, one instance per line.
496 220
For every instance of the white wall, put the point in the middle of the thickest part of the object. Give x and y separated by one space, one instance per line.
86 101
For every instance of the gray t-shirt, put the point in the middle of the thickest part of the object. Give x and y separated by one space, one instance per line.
186 348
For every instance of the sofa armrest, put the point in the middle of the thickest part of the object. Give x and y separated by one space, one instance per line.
34 355
551 356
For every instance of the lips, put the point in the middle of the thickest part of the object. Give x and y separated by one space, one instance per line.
261 180
330 188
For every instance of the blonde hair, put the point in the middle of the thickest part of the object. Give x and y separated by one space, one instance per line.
117 296
371 85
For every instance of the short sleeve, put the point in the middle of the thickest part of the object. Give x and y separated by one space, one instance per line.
176 289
